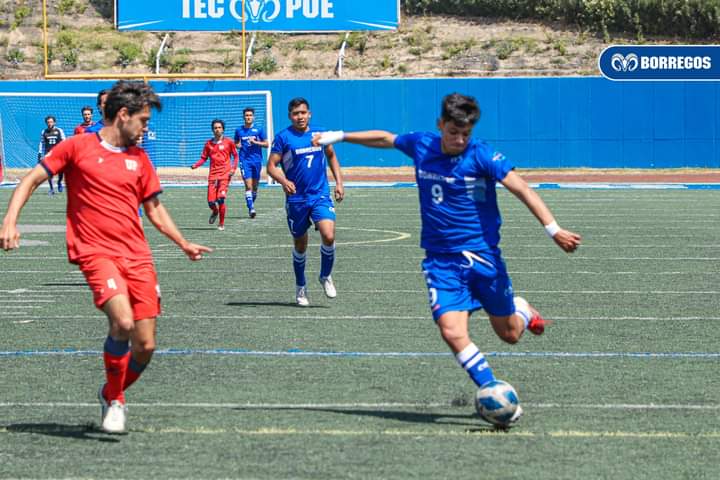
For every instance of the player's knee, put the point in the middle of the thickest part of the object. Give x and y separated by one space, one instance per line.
510 335
328 239
145 346
453 334
122 327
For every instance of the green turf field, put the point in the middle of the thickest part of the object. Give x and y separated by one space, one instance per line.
624 385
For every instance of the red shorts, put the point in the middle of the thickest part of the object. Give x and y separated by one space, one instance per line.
136 279
217 189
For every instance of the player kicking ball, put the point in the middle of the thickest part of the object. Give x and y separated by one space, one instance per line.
456 177
219 150
109 177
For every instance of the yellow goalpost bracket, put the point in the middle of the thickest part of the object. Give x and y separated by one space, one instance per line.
143 76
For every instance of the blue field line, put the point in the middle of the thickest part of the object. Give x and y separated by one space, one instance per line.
539 186
302 353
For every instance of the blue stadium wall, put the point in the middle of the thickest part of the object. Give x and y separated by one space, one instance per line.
538 122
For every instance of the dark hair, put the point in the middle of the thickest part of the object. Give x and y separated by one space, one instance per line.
217 120
462 110
249 109
100 94
296 102
86 107
132 95
49 117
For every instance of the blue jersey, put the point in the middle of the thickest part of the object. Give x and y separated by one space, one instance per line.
303 163
95 127
458 202
249 152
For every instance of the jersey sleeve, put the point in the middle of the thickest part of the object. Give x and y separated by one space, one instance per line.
236 137
492 163
278 145
406 143
233 154
149 181
58 158
203 156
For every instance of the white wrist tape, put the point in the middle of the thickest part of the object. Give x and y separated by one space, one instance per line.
333 136
552 228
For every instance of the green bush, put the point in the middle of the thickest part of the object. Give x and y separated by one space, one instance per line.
127 53
264 64
15 56
685 18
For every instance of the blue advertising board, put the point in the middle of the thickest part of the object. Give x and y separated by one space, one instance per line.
660 62
260 15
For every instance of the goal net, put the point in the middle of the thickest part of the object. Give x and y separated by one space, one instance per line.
176 134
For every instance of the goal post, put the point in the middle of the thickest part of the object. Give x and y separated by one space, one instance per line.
176 134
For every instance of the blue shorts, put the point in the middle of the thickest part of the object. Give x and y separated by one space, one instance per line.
467 281
251 169
299 214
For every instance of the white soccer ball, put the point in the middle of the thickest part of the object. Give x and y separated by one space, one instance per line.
497 403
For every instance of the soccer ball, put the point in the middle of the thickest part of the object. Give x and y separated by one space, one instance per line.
497 403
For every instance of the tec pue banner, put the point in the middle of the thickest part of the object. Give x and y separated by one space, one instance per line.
260 15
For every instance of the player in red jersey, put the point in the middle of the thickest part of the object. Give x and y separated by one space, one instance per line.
87 114
109 177
219 150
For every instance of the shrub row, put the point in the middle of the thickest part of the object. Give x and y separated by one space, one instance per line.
699 19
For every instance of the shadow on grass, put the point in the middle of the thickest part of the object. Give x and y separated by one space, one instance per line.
85 431
410 417
64 284
260 303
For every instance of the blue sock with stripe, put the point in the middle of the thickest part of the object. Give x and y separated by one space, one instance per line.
299 267
327 258
474 363
249 200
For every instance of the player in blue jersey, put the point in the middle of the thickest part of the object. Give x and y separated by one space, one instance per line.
250 139
456 177
301 168
49 138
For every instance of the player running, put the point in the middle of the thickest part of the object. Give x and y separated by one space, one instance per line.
456 177
219 150
250 139
108 178
87 115
49 137
304 179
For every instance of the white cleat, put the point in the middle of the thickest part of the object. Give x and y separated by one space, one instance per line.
328 286
115 418
221 227
301 296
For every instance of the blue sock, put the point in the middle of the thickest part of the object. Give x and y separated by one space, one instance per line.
249 200
474 363
254 195
299 267
327 258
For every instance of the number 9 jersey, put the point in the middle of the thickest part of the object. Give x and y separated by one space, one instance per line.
303 163
458 202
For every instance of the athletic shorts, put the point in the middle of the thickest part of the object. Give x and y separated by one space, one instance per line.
136 279
251 169
467 281
299 214
217 189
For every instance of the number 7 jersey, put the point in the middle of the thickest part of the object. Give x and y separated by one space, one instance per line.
303 163
458 201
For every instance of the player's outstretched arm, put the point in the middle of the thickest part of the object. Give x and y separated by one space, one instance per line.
161 219
334 165
9 234
276 174
369 138
565 239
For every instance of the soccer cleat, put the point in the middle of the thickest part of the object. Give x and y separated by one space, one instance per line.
103 402
301 296
213 217
115 418
221 227
51 192
537 323
60 188
328 286
253 213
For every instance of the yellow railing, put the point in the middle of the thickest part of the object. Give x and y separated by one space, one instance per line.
143 76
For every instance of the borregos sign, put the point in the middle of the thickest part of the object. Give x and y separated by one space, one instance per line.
260 15
660 62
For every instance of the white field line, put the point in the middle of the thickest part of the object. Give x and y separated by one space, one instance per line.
361 405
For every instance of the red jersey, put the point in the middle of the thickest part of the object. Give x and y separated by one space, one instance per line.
219 154
81 128
106 185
